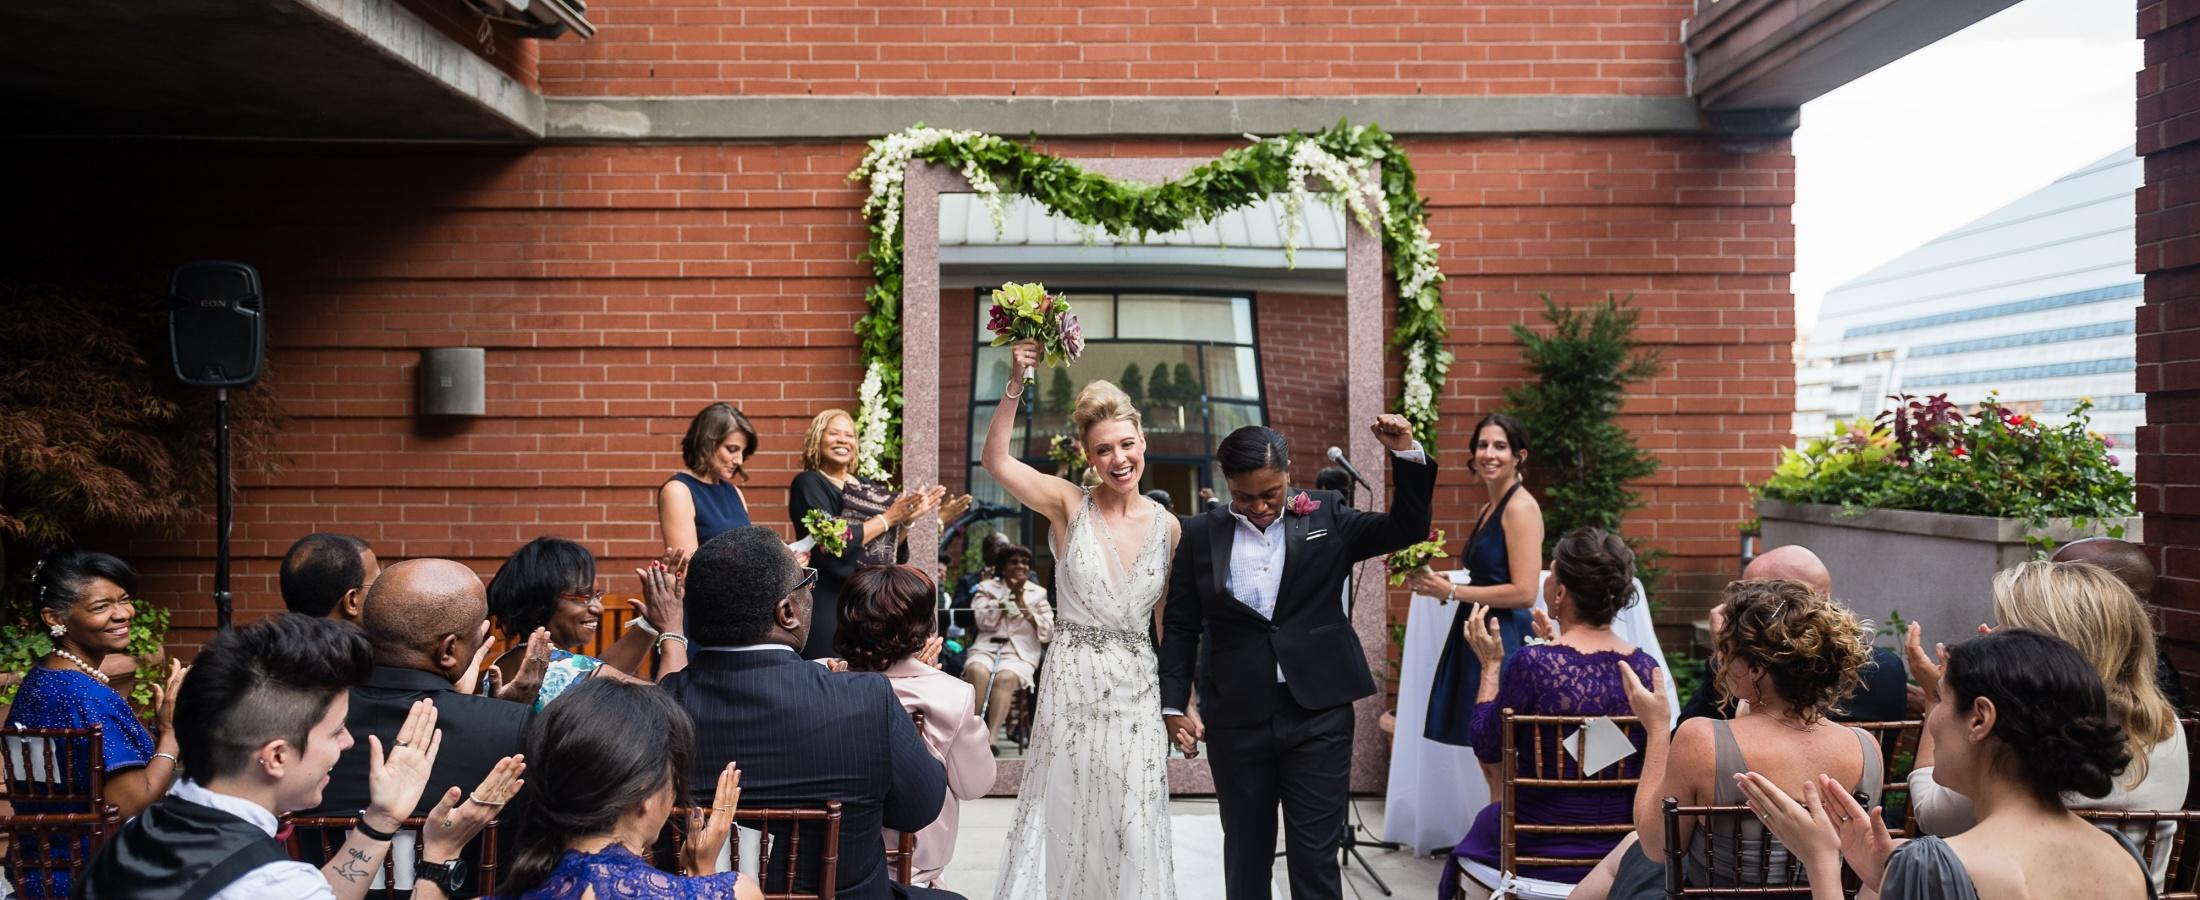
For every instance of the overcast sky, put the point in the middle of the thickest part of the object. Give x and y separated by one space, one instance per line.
1954 131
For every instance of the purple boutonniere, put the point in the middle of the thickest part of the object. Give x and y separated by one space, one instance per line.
1303 505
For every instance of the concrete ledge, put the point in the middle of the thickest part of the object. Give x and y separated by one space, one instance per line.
783 118
417 44
1986 529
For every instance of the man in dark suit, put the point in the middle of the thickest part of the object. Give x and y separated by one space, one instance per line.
1882 697
802 734
1262 575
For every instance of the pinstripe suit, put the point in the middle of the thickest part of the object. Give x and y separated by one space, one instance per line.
804 735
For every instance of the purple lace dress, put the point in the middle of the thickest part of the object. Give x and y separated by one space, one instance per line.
1553 680
617 874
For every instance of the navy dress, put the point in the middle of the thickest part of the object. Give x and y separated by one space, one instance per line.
718 507
67 698
1459 671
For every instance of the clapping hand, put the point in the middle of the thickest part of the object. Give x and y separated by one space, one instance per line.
394 782
453 822
1545 630
930 655
1648 703
164 696
1923 668
1819 830
1484 637
954 509
471 682
708 829
532 668
1394 431
664 594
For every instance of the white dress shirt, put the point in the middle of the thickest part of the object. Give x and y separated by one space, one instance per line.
281 880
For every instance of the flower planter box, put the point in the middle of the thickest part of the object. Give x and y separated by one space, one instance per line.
1934 568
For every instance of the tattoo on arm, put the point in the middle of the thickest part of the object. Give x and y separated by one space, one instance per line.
357 867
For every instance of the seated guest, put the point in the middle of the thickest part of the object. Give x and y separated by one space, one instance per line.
1792 654
262 721
615 758
83 599
423 620
1592 578
705 501
2082 604
2024 725
2130 565
550 583
886 626
1884 694
1334 478
328 574
1015 624
803 735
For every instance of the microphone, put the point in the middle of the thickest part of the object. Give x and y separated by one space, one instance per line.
1336 455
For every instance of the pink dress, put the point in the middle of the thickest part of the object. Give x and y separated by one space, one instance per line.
954 734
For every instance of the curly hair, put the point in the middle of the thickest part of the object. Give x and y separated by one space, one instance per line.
1813 648
813 439
2089 607
1598 571
886 614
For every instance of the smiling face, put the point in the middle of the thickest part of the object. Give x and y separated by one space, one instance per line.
1116 448
305 769
839 442
726 460
99 621
1496 460
573 622
1259 495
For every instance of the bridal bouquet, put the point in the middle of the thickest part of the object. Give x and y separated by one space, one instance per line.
1416 556
829 531
1022 311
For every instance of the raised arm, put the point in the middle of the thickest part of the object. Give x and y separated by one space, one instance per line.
1413 470
1049 496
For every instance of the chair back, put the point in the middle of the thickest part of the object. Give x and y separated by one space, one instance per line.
790 836
59 817
318 839
1534 754
1745 877
2156 832
1897 756
901 855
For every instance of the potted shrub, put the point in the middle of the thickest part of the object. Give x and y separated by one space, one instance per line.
1917 509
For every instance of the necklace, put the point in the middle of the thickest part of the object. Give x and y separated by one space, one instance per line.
88 668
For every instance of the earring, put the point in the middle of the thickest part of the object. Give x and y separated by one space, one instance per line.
57 631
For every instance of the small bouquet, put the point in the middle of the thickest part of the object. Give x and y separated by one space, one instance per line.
1067 456
1416 556
829 531
1022 311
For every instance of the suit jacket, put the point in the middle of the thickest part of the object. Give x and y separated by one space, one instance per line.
477 731
804 735
956 736
1309 636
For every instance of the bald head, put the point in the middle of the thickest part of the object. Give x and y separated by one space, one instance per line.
423 612
2122 559
1789 563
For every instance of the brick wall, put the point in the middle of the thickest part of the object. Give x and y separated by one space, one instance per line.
1141 47
618 289
2168 238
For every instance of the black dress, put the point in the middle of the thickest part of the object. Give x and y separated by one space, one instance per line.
858 500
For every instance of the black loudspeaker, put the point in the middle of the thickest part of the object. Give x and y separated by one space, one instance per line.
216 330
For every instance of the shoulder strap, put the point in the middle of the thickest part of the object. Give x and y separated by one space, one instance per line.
1496 510
1873 773
2146 872
1726 761
239 863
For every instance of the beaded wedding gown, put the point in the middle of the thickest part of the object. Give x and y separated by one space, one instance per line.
1092 815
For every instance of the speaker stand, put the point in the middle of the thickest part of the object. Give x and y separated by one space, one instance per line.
224 512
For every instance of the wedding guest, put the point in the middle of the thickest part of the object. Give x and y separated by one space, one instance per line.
262 722
2130 565
1792 654
1884 694
550 583
2024 726
328 574
803 734
875 517
1333 478
886 626
705 501
83 600
1503 556
615 759
2084 605
1592 578
1015 624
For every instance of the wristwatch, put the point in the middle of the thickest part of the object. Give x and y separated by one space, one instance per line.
450 875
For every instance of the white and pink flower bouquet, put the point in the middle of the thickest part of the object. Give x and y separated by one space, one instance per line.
1022 311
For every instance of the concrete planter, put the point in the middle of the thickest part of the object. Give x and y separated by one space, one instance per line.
1934 568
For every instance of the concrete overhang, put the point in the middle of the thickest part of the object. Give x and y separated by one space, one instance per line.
252 69
1780 54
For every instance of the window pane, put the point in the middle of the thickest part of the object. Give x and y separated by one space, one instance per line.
989 373
1231 372
983 489
1230 417
1096 314
1225 319
981 418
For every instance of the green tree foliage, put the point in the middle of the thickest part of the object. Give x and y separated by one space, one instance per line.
1187 387
1060 394
1134 384
1159 388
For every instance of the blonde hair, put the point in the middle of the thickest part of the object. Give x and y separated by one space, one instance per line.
1102 401
813 440
1814 648
2089 607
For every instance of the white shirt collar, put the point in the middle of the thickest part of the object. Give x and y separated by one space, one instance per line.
247 810
1242 520
746 648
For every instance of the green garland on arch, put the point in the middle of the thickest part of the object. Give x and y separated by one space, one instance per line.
1346 157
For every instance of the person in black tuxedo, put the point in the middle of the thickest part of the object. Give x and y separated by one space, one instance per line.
1262 575
802 734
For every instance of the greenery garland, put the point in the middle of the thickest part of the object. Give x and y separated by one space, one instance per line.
1345 157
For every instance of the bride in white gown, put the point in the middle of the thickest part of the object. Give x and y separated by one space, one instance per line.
1092 815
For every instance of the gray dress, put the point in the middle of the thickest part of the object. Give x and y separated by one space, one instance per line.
1927 869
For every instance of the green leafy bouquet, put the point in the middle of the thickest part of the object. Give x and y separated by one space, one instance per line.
829 531
1405 561
1027 311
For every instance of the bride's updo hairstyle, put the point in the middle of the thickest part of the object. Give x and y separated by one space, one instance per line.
1099 402
1813 649
2052 724
1598 571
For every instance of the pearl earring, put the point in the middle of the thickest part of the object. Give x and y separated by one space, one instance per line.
57 631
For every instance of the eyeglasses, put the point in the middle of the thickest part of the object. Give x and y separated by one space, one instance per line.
584 598
809 577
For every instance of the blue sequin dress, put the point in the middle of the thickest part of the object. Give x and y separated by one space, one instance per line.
617 874
68 698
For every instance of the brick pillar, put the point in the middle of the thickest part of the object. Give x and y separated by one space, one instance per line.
2168 209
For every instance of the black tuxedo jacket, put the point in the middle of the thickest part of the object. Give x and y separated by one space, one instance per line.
804 735
1309 636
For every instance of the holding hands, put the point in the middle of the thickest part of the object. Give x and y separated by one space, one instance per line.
1186 731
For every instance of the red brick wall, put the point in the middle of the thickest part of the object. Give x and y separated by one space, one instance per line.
2168 208
1142 47
1302 363
620 289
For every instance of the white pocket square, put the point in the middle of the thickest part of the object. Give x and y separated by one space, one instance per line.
1317 535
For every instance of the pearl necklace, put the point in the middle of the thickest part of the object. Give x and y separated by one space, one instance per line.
88 668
